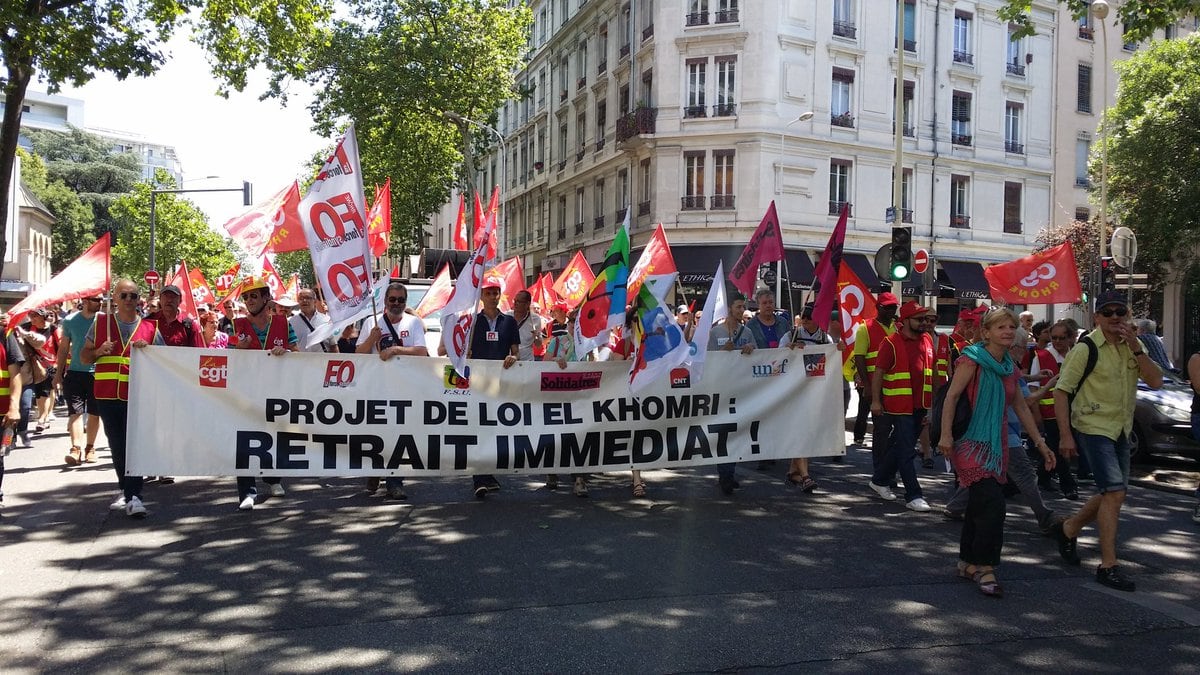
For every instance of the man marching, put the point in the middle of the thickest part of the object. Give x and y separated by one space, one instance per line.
11 359
870 335
78 383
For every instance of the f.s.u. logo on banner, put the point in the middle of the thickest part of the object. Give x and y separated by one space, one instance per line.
454 382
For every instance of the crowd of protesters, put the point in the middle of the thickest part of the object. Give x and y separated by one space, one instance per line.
1037 395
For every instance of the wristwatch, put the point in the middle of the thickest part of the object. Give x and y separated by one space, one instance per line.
1141 353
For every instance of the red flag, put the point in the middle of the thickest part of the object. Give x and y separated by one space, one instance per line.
825 283
575 280
543 294
227 281
379 219
512 279
87 276
201 291
856 305
438 294
273 225
460 224
273 280
395 272
187 302
765 245
1039 279
481 220
655 265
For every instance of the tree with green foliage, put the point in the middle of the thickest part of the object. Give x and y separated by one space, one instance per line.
395 69
70 41
1139 17
181 233
1154 153
297 262
73 231
87 164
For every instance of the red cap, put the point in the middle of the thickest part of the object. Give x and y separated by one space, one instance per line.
887 298
561 306
971 315
912 309
489 282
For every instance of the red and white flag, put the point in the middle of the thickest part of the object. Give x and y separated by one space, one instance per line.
201 291
575 280
334 223
856 304
87 276
543 295
458 317
187 301
1039 279
273 278
379 220
765 245
488 218
511 277
291 292
460 224
655 267
228 281
437 295
272 225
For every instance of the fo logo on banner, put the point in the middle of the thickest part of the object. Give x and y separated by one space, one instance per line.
681 378
771 369
214 371
452 380
339 374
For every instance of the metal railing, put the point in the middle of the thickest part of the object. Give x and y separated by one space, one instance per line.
722 202
692 202
724 110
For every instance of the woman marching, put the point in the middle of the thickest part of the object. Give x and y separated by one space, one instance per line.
986 374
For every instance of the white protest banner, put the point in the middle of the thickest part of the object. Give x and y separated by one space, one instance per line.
333 214
311 414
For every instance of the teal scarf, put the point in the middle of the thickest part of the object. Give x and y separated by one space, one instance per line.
984 438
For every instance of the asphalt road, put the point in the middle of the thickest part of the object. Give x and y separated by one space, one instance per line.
685 580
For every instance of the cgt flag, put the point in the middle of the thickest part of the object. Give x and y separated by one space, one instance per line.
201 291
1044 278
273 225
856 305
576 278
484 219
460 224
765 245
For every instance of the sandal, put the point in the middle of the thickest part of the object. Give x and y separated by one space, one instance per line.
794 478
990 588
966 571
639 489
807 484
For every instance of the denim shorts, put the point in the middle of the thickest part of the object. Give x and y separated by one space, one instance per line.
1108 460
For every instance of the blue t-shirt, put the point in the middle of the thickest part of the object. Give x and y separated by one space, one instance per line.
493 340
76 328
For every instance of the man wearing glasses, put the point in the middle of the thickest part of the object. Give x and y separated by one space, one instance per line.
78 381
306 320
495 336
529 325
261 330
107 345
1102 416
902 390
396 333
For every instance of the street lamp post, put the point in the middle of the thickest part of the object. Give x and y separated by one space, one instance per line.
802 117
1099 9
247 191
450 114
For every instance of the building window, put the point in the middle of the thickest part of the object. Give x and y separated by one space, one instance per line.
1171 32
562 217
1082 214
693 189
726 79
842 84
1014 57
696 70
622 194
962 38
1012 128
727 11
602 50
582 52
580 135
646 10
839 185
1085 26
598 222
906 210
580 211
910 25
623 30
697 12
644 172
623 99
601 122
843 19
1012 208
562 146
1128 45
1083 149
541 22
910 129
1083 89
960 118
960 201
723 185
564 76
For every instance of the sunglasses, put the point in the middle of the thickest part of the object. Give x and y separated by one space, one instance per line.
92 299
129 296
397 301
251 295
1109 311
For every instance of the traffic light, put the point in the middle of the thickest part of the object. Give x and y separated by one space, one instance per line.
1108 275
247 193
900 267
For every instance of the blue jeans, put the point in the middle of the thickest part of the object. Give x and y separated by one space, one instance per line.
901 451
27 392
390 483
1196 435
115 416
1108 460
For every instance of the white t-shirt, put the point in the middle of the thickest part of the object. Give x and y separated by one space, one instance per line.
410 329
528 327
302 331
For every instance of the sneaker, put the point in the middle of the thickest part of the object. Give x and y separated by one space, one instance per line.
166 480
396 494
276 489
73 457
885 493
581 489
372 485
492 484
89 455
247 504
860 442
1114 578
1072 495
1067 546
919 505
134 508
481 492
118 503
24 438
551 481
1196 514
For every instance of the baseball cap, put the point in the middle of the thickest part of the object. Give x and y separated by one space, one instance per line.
171 288
970 315
912 309
1111 298
887 298
561 306
682 309
490 282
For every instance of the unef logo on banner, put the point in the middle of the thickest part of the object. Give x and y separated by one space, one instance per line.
455 383
772 369
214 371
338 373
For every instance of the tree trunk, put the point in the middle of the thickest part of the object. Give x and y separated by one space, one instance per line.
10 132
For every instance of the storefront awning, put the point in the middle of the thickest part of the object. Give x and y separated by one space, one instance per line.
966 278
696 264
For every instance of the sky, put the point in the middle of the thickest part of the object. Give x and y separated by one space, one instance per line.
239 138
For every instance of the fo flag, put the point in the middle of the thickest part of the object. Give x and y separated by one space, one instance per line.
458 317
765 245
1039 279
335 228
576 278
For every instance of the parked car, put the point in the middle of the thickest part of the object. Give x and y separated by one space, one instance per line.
1162 420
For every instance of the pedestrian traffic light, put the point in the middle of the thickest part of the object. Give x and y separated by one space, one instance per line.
900 267
1108 275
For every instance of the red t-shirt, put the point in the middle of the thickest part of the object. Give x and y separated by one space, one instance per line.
177 333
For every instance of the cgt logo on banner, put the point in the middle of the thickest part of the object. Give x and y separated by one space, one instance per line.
338 374
455 383
772 369
214 371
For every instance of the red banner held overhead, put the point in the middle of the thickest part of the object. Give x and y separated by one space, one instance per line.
1048 277
87 276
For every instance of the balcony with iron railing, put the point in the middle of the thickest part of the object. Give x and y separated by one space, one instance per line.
845 29
725 16
960 221
647 32
697 19
1013 147
835 207
906 215
692 202
598 223
724 110
635 123
909 45
579 228
1012 227
908 130
965 58
581 82
722 202
960 139
624 52
644 208
562 165
602 67
1086 33
694 111
562 95
562 231
579 155
843 120
599 144
1016 69
620 215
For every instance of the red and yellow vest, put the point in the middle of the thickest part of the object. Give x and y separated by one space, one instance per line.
5 382
277 332
901 394
112 371
876 334
941 354
1045 361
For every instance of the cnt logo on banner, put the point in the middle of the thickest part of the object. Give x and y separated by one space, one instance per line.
314 414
